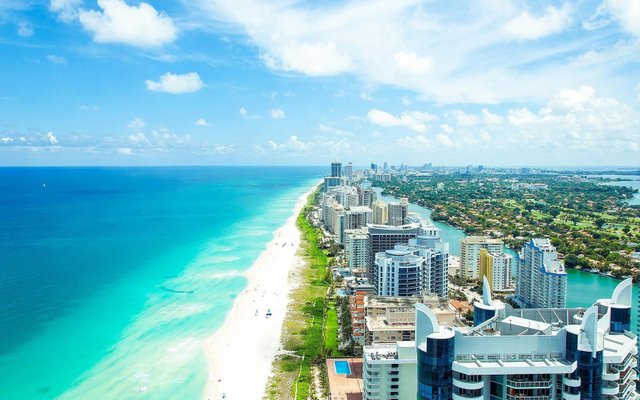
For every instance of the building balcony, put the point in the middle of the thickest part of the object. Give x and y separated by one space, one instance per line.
611 374
463 397
529 384
610 388
569 396
525 397
468 384
571 382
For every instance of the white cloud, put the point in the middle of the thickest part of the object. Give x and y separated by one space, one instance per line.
25 29
259 149
6 140
67 10
52 138
277 114
176 83
201 122
411 64
136 124
414 120
333 130
138 138
528 26
464 119
245 114
223 148
625 12
56 59
437 50
406 100
490 118
365 96
117 22
86 107
124 150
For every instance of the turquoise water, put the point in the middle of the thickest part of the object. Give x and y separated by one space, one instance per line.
584 287
111 278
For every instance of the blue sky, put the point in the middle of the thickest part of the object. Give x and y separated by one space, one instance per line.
498 82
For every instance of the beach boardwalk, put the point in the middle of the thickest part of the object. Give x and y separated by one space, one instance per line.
345 378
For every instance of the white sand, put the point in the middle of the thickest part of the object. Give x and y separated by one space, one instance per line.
240 354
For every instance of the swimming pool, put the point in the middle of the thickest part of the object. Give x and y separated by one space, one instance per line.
342 367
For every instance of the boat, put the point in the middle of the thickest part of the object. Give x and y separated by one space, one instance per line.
269 313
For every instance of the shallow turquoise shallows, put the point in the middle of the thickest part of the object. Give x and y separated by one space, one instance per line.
110 278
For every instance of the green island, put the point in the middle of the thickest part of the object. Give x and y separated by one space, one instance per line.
589 223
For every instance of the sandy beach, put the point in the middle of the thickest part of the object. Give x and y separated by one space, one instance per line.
241 352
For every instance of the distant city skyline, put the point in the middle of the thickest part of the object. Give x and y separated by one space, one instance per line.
228 82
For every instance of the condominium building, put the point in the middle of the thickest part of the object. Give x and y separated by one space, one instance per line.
331 181
513 354
367 197
542 279
380 212
347 171
392 319
356 246
398 212
470 254
419 267
385 237
496 267
336 169
358 217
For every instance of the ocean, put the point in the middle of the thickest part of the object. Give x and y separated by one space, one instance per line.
110 278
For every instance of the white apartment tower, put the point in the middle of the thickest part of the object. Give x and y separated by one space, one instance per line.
542 279
380 213
470 254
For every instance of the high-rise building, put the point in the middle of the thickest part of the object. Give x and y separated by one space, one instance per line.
358 217
542 279
374 167
383 238
348 171
367 197
356 246
470 254
416 268
398 212
331 181
512 354
399 273
336 169
380 213
496 267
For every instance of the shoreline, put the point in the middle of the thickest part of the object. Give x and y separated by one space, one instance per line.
247 330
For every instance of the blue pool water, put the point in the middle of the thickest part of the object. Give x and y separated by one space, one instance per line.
342 367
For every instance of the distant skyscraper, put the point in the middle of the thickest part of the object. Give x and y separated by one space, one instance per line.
367 197
380 213
336 168
470 254
348 171
496 267
542 279
374 167
385 166
398 212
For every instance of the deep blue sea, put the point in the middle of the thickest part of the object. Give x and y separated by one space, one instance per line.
110 278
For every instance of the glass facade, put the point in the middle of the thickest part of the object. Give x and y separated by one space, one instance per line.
620 320
589 369
435 375
481 315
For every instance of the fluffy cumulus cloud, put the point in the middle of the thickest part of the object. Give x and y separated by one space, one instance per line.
408 44
176 83
528 26
201 122
117 22
277 113
52 138
67 10
414 120
624 12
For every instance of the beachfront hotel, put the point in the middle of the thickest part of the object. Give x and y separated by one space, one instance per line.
470 254
542 279
397 212
512 354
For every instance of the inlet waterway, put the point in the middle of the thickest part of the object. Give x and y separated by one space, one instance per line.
584 287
